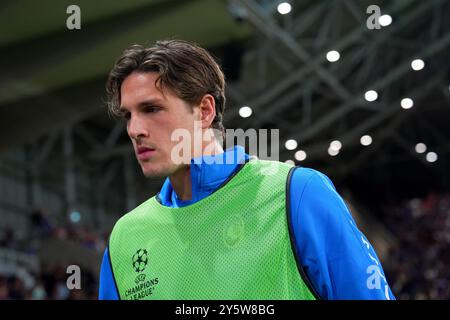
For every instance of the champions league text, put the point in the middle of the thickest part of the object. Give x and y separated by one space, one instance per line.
142 290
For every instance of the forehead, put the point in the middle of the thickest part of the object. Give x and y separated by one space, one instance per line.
138 83
140 86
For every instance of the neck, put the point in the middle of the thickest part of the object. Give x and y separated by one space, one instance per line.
181 179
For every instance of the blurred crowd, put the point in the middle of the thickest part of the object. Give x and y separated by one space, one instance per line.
47 284
419 266
40 228
49 281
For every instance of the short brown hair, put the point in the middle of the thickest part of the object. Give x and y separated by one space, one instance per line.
184 67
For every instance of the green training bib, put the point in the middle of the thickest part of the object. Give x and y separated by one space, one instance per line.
233 244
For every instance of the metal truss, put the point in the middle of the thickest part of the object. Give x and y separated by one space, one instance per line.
360 46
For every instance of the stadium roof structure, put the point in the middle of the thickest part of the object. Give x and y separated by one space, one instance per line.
315 101
52 80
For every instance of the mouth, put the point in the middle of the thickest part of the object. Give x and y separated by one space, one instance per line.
144 153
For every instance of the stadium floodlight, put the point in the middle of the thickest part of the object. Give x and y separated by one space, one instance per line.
366 140
385 20
333 56
333 152
291 144
300 155
371 95
421 147
245 111
407 103
336 145
291 162
417 64
431 157
284 8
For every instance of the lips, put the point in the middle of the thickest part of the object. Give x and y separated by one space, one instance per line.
144 149
144 153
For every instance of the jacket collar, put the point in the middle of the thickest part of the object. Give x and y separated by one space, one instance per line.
208 173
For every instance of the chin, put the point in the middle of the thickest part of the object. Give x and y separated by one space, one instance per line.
154 171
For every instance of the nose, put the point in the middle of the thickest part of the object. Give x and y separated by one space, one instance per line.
136 128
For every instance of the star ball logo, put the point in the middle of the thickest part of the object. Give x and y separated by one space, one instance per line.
140 260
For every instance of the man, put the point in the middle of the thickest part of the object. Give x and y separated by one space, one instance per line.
221 229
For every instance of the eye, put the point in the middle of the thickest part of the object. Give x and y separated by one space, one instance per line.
151 109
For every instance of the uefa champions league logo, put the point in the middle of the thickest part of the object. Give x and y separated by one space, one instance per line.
142 286
140 260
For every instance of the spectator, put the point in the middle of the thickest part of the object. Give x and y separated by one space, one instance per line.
8 240
40 224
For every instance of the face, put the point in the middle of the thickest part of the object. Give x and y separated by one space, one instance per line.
152 116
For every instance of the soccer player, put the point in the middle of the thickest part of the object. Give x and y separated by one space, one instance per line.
221 228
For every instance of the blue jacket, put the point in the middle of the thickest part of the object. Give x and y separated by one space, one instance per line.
337 258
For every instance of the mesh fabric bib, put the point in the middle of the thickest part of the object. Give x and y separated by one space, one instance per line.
233 244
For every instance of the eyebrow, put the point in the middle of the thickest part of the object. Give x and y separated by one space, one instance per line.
143 103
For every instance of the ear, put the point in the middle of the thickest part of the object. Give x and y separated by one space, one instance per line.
207 110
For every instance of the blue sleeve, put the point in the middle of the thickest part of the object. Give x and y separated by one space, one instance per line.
336 257
107 287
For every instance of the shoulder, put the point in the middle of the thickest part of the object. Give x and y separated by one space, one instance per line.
316 199
308 176
311 182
